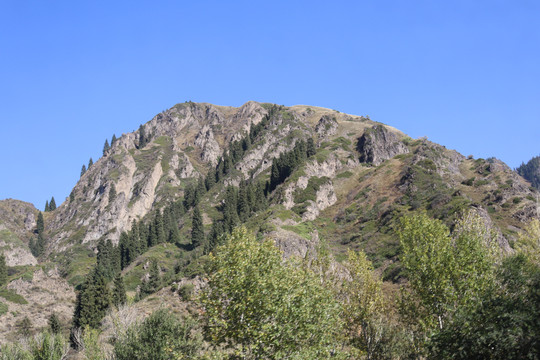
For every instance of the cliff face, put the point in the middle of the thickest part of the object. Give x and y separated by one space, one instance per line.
17 222
186 141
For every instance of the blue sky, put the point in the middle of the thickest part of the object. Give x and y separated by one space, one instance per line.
465 74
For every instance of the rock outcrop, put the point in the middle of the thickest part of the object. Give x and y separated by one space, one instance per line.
378 144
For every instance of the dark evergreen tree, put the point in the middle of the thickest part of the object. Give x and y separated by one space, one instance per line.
215 235
92 301
531 171
40 225
159 228
197 228
112 193
310 147
24 326
200 190
90 163
52 204
106 147
113 140
274 175
83 170
3 270
210 180
54 324
46 206
71 196
243 208
220 169
230 206
119 296
153 283
143 139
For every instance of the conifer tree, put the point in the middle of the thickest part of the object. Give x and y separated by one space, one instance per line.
159 228
40 225
112 193
71 196
210 180
3 270
119 296
243 203
92 301
52 204
54 324
113 140
83 170
310 148
106 147
197 229
143 140
46 206
90 163
153 283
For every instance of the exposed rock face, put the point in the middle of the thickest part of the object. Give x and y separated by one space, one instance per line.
326 197
326 126
210 148
45 293
379 144
501 240
17 221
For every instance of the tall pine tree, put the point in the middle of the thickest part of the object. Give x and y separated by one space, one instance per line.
83 170
197 229
3 270
119 296
106 147
52 204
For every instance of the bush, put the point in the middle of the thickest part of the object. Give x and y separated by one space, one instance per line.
161 336
186 292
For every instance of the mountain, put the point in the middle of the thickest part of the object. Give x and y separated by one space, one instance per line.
323 175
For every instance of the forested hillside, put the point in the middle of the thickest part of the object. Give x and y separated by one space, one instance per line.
273 232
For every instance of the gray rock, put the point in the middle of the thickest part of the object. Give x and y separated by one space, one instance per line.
378 144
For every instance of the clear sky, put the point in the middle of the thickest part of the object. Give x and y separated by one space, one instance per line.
466 74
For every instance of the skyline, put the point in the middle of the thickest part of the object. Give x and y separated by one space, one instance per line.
463 74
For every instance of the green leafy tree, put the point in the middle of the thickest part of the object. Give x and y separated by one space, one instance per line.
3 271
528 241
503 324
446 271
264 308
364 304
162 336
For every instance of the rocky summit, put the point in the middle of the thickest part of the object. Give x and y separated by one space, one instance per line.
299 175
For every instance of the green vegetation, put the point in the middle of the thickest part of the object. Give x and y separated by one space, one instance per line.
11 296
160 337
261 307
3 271
531 171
